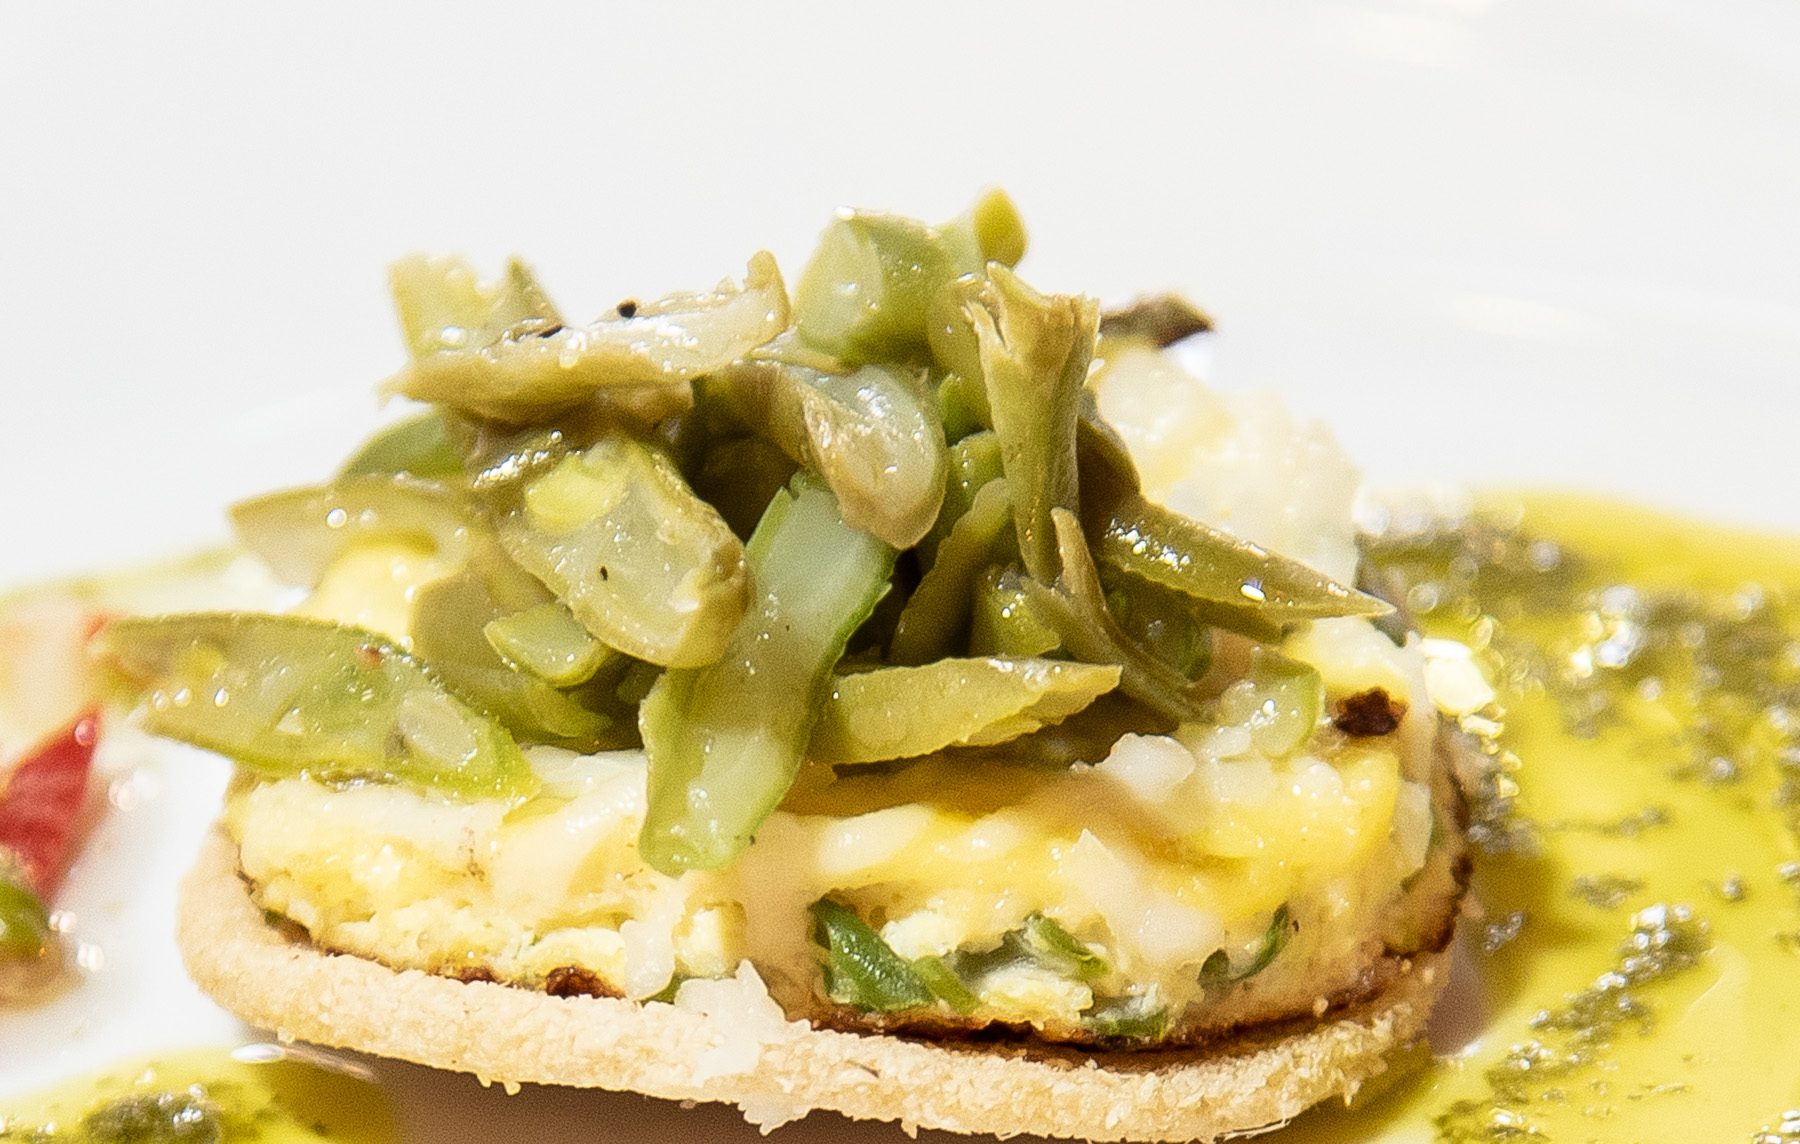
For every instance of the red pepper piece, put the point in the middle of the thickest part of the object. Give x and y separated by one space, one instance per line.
41 806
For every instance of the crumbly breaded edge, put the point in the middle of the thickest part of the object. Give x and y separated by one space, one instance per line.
507 1034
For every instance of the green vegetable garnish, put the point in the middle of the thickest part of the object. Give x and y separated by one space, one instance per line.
867 293
935 621
861 969
1034 352
450 619
1214 568
1006 622
1217 971
1161 320
1062 950
419 446
887 524
545 640
725 740
872 435
938 977
24 922
904 712
300 532
1128 1019
288 697
644 564
501 352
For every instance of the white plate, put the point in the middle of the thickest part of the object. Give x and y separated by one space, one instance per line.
1491 242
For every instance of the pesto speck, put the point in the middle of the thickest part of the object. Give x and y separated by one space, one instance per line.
1604 891
1572 1040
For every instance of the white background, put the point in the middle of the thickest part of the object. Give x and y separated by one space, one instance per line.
1546 243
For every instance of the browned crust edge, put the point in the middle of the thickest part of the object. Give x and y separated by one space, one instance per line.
507 1034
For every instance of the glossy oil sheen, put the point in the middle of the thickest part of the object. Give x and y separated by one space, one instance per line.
275 1101
1626 823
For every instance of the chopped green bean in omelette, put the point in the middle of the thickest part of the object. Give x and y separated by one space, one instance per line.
920 640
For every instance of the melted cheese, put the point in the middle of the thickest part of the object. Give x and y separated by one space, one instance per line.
1158 856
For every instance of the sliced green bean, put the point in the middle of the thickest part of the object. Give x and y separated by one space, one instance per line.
1281 701
963 406
1128 1019
1034 351
300 532
866 294
1144 539
444 306
1040 941
1006 622
535 368
725 741
905 712
973 462
286 696
549 642
1164 623
448 620
1217 971
938 977
935 621
1075 608
417 446
1160 320
1088 736
1061 950
862 970
644 564
1108 474
872 435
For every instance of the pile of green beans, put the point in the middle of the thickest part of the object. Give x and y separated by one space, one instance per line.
881 521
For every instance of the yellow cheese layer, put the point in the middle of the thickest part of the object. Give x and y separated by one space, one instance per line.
1167 851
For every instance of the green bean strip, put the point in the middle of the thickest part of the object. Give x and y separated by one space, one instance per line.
1160 319
725 740
1061 950
443 305
644 564
1035 351
1075 608
532 369
861 969
935 621
873 435
1144 539
417 446
938 977
298 533
1128 1019
963 406
905 712
867 293
973 462
288 697
1006 622
1162 622
549 643
1218 972
448 618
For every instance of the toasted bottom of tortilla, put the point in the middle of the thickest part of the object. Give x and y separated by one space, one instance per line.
268 978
